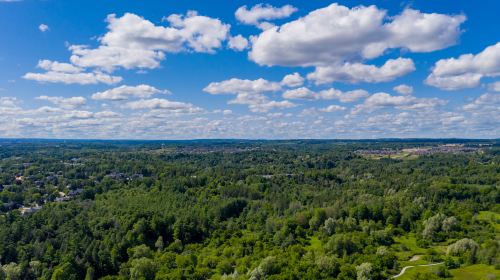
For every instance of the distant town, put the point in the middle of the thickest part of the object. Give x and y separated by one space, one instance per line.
421 151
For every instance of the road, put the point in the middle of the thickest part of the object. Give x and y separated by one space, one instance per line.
410 266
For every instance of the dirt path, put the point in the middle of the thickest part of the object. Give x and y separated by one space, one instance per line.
410 266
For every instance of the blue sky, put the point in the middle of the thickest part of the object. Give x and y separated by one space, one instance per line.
249 69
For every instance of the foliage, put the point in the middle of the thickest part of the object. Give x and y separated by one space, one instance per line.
244 210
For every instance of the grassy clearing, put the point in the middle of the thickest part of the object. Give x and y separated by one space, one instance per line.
408 247
477 271
472 272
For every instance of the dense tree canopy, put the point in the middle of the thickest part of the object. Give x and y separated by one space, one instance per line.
241 210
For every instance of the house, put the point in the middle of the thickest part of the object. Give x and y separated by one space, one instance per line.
19 179
30 210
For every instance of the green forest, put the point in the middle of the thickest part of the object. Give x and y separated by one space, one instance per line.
250 209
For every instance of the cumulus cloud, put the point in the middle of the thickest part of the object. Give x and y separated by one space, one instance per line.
292 80
162 104
421 32
106 114
64 102
259 103
134 42
56 66
357 33
328 94
73 78
484 114
270 105
344 97
9 106
236 86
384 100
260 14
238 43
43 27
403 89
494 86
332 108
300 93
109 58
58 72
251 93
487 100
467 70
358 72
78 114
124 92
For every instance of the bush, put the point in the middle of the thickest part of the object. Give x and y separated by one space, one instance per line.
462 246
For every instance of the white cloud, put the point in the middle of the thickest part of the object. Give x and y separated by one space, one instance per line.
403 89
110 57
332 108
270 105
73 78
466 80
43 27
358 72
494 86
384 100
162 104
106 114
259 14
200 33
358 33
328 94
293 80
490 100
59 72
47 110
344 97
467 70
124 92
9 105
300 93
78 114
134 42
55 66
238 43
64 102
484 114
236 86
171 123
250 92
421 32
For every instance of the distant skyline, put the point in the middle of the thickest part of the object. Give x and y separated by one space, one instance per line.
249 69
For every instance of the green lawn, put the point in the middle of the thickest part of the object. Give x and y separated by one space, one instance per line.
410 242
473 272
477 271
